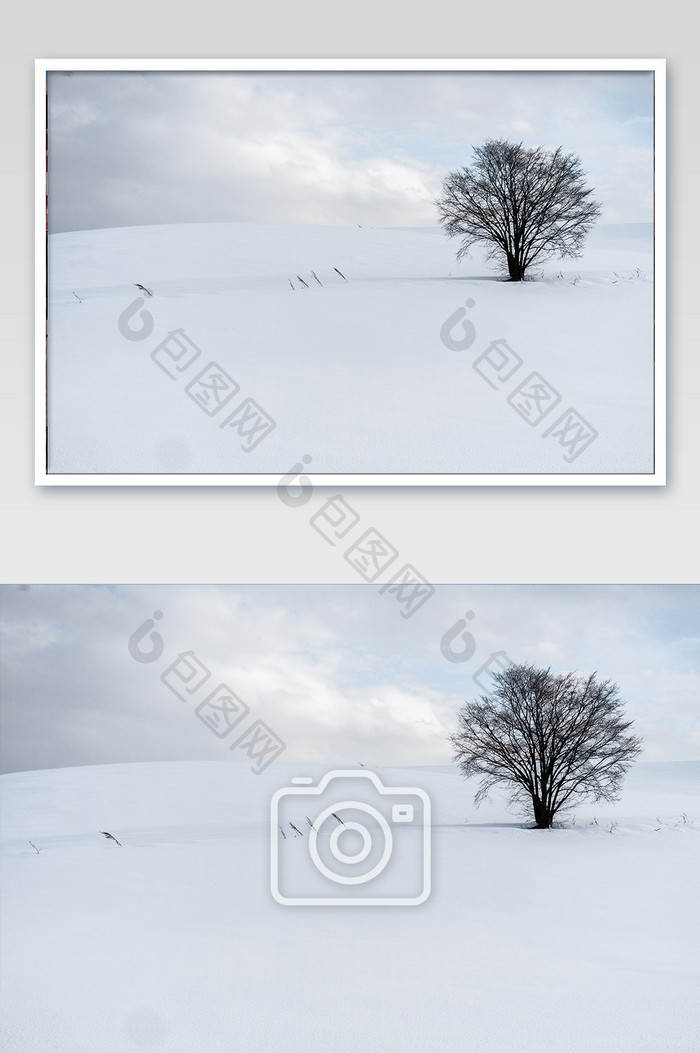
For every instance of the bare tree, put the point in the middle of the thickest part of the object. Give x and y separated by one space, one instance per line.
553 738
529 204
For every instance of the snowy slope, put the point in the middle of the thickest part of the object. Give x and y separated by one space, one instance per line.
354 372
576 939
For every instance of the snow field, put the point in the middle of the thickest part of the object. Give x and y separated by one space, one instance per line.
353 373
572 939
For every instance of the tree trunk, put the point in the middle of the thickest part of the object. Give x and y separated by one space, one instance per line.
544 817
516 272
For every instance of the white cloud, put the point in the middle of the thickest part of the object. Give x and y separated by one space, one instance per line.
330 148
334 670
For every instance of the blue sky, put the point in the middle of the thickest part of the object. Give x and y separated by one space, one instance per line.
329 147
334 669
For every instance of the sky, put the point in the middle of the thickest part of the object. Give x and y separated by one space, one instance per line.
330 148
335 671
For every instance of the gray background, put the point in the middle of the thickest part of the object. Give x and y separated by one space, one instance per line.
528 534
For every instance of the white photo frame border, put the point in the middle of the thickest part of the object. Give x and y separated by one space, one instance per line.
656 66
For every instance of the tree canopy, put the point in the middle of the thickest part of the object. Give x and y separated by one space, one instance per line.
528 204
552 738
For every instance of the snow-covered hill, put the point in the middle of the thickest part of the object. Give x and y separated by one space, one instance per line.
578 939
330 339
